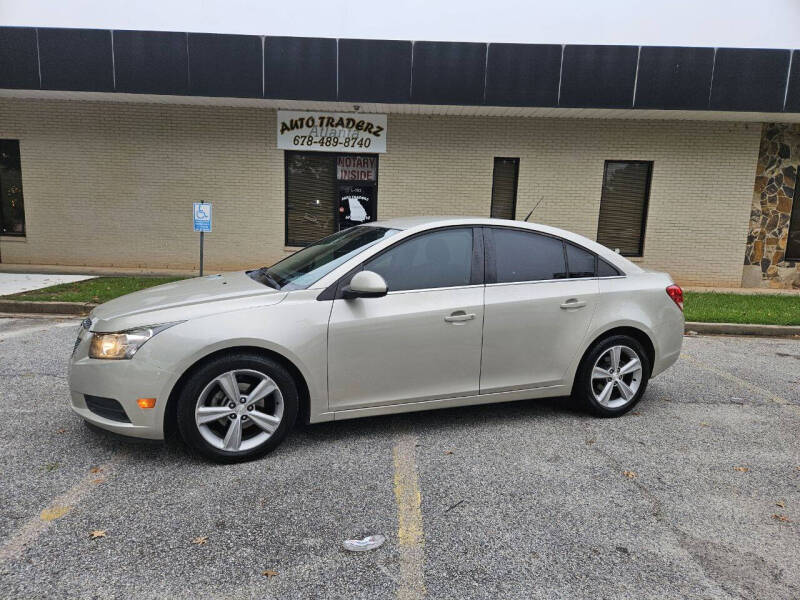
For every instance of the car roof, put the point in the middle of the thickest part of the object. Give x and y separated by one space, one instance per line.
420 223
409 222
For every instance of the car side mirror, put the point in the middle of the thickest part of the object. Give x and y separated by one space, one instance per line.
365 284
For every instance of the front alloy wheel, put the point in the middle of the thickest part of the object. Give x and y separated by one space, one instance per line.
237 407
239 410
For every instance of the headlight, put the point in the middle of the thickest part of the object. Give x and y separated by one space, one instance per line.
123 345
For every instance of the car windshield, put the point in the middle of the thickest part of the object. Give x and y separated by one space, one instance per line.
301 269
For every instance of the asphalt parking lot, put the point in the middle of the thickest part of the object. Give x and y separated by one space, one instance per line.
694 494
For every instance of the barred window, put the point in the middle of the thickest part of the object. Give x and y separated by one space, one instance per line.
793 241
623 206
12 213
504 188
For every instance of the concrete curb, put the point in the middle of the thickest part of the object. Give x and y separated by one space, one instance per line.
48 308
742 329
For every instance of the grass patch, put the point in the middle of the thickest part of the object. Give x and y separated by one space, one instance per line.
710 307
97 290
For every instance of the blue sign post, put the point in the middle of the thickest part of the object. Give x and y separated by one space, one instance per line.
201 214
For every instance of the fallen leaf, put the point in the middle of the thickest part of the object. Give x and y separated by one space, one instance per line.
741 469
269 573
780 503
98 480
636 413
629 474
781 518
98 533
590 442
51 466
448 452
704 424
95 469
61 430
200 540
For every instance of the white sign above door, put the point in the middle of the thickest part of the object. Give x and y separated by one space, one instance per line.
331 132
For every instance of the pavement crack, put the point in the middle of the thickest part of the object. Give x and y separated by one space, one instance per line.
29 374
729 568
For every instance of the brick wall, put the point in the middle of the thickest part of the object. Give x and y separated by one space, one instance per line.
112 184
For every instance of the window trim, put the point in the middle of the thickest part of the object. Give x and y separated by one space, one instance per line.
335 155
477 272
491 257
645 203
13 234
516 184
483 262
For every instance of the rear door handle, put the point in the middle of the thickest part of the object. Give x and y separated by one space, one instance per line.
573 303
459 316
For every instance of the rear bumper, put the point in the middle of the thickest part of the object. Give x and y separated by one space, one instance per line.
669 340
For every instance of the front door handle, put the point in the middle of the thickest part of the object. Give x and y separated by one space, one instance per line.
573 303
459 316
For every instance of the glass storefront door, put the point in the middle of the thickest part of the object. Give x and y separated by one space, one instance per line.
326 192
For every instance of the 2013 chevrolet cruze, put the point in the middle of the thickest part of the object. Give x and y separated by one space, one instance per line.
403 315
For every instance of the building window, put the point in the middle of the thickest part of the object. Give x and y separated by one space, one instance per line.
504 188
793 239
12 213
623 206
327 192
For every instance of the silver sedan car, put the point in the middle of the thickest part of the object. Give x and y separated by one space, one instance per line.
396 316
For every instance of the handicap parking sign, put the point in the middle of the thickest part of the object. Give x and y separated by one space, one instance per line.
202 216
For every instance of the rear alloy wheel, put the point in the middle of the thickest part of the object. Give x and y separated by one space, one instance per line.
237 408
613 376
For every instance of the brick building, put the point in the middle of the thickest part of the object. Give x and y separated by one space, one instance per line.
683 158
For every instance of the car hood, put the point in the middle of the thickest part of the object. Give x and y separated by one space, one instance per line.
183 300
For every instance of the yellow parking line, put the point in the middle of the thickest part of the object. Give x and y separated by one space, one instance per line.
409 519
58 508
725 375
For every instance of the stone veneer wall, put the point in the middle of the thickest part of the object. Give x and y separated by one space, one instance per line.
773 194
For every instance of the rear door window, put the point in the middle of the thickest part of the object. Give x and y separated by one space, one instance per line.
606 270
527 256
581 262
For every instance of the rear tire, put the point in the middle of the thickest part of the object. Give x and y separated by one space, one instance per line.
237 407
612 376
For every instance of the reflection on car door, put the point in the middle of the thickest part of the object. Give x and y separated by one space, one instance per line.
422 341
536 312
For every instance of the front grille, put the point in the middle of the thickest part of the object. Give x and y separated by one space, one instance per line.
107 408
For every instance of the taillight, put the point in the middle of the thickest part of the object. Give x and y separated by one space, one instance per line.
676 293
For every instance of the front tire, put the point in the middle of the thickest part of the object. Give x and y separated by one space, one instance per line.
237 407
612 376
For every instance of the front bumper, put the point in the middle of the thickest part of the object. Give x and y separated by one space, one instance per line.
124 381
